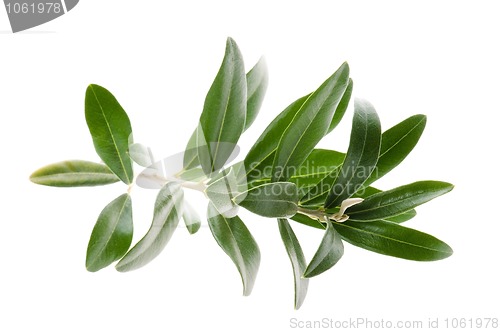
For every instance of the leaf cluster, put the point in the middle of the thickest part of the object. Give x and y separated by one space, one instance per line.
283 176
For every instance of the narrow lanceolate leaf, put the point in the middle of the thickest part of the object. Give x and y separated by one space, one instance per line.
110 128
112 234
394 202
328 254
235 239
257 80
191 218
391 239
361 156
369 191
74 173
167 212
223 118
261 155
342 107
309 125
272 200
397 143
297 259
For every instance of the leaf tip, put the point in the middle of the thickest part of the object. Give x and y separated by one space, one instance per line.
32 178
421 116
120 267
92 87
297 306
446 187
230 43
91 268
344 70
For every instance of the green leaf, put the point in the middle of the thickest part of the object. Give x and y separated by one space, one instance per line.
272 200
141 154
396 201
222 192
400 218
329 162
328 254
309 125
317 194
223 118
235 239
112 234
74 173
391 239
369 191
191 218
257 80
110 128
361 156
168 207
305 220
397 143
191 159
261 155
315 223
342 107
297 259
317 165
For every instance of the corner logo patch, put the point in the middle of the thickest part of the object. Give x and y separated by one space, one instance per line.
26 14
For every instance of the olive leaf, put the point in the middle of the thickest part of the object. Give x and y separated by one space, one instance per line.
397 142
391 239
297 260
112 234
328 254
366 192
223 118
362 154
394 202
168 209
309 125
342 106
110 128
257 81
235 239
74 173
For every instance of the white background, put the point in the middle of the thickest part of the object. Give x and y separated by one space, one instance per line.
159 58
